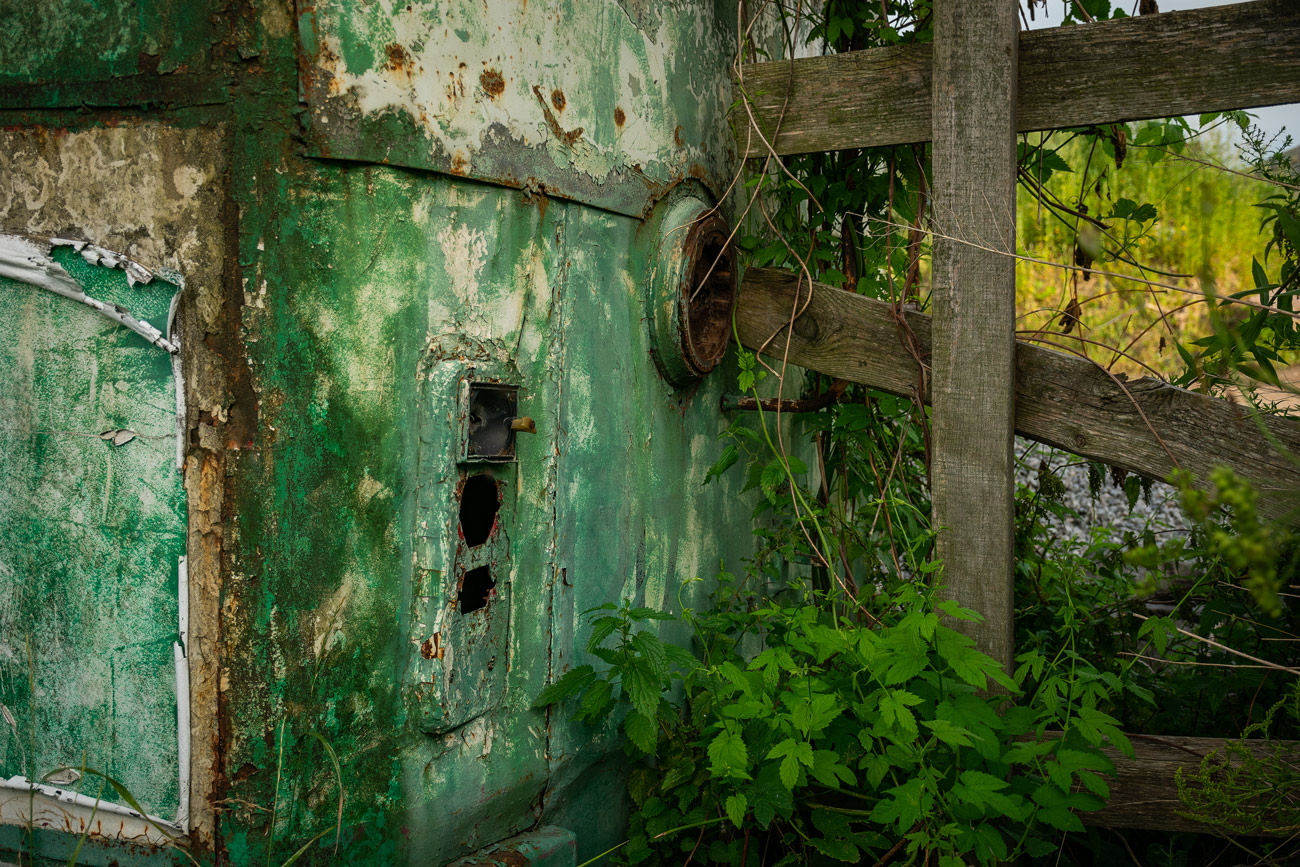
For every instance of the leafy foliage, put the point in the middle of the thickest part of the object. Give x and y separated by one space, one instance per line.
831 708
819 736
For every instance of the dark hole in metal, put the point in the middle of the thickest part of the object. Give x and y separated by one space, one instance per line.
491 409
712 291
475 588
479 502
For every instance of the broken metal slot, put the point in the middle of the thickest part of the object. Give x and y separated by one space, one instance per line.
480 500
475 589
492 411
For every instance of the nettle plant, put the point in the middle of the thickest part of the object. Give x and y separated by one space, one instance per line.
802 736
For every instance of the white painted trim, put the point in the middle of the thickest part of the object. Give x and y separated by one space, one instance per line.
181 652
22 801
179 382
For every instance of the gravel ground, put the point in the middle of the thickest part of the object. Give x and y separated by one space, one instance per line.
1110 509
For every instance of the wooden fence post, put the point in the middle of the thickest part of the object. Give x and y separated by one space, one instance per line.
974 160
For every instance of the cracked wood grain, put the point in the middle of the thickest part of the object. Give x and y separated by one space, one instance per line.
1061 400
1245 55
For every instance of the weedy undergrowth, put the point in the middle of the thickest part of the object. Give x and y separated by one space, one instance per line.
803 737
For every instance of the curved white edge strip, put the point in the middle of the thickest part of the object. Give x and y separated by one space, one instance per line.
181 652
22 801
178 382
27 260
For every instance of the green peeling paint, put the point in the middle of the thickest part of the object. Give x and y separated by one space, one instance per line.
92 532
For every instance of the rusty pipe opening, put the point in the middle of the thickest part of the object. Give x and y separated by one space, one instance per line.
710 294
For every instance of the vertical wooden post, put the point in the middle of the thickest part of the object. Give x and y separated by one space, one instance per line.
974 93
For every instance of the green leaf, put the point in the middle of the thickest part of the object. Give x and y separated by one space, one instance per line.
651 649
641 731
572 683
597 702
828 771
789 771
954 736
728 756
894 706
729 456
642 688
903 806
905 667
736 808
677 772
811 714
601 628
681 658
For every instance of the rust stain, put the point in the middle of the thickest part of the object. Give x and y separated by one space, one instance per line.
558 100
399 59
619 117
459 164
432 647
677 136
570 138
492 83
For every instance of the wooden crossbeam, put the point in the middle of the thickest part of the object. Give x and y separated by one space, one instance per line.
1143 791
1244 55
1061 400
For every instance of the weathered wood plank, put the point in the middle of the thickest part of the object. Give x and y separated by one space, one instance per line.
1061 400
972 466
1143 793
1244 55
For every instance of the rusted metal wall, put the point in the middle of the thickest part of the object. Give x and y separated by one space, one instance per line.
363 226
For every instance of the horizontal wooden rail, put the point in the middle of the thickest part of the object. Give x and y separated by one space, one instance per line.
1143 793
1244 55
1061 400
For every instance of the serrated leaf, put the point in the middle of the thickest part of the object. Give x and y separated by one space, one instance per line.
789 771
681 658
651 649
597 701
948 733
642 732
642 688
894 709
904 668
572 683
728 755
736 807
678 771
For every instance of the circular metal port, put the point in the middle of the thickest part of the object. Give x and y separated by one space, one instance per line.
691 288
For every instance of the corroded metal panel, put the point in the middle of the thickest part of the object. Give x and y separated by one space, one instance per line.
605 103
73 40
343 614
92 531
634 520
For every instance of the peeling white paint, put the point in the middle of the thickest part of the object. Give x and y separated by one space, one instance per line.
22 801
96 255
27 260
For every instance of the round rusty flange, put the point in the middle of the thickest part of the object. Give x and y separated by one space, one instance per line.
691 288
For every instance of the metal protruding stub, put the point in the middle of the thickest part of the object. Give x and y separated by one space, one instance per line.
691 287
523 424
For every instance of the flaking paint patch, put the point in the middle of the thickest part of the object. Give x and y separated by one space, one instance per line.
464 249
477 81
